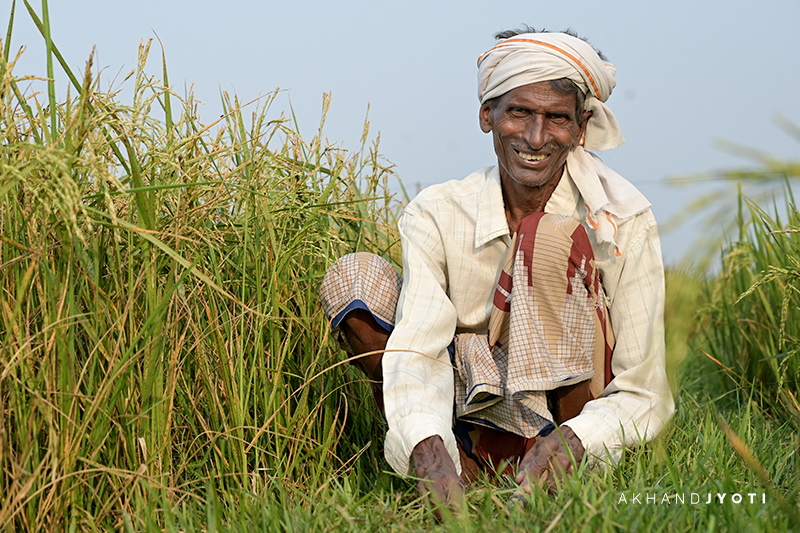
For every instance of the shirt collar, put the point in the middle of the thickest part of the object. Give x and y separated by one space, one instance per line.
491 220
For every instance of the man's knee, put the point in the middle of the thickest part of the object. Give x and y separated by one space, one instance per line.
361 281
359 295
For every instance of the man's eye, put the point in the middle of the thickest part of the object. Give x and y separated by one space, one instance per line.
558 119
518 111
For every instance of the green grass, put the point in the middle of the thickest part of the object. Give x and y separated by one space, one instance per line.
165 364
693 456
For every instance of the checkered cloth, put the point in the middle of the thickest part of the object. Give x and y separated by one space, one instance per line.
360 281
548 328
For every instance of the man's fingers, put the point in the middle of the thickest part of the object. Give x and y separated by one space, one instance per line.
551 454
534 463
526 466
448 491
439 480
545 479
428 492
544 470
541 477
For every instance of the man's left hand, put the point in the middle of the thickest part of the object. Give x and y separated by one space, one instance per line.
548 459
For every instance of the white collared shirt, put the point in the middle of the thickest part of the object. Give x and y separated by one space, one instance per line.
454 238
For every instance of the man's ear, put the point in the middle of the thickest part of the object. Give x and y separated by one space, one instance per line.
485 117
585 116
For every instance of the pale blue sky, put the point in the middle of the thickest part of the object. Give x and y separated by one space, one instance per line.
689 73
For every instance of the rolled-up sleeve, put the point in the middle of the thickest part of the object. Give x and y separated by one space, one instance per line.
638 402
418 375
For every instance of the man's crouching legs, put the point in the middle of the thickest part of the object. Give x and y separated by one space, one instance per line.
434 466
365 336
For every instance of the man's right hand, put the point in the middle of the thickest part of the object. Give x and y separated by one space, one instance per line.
437 472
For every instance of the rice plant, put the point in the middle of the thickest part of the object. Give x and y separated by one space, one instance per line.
753 313
716 211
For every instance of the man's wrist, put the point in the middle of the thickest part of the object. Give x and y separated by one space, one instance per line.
430 455
406 432
574 443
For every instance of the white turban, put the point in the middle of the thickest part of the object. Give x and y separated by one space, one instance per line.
534 57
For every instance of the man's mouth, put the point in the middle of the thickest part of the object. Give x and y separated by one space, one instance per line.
532 157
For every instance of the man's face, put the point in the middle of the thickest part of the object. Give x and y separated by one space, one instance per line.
534 127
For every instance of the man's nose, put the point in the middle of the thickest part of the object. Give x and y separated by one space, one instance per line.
535 133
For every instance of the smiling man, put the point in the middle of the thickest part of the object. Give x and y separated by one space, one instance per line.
528 332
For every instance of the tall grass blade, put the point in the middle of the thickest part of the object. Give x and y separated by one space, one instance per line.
7 47
51 81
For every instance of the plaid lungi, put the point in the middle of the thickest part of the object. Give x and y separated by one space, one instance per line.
360 281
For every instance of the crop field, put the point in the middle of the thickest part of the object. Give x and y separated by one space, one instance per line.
165 364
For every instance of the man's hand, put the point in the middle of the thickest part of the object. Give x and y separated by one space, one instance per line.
548 460
437 472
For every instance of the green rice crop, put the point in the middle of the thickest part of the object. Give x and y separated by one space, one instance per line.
715 212
684 291
158 313
752 317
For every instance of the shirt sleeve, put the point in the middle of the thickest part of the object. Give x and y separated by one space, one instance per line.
418 375
638 402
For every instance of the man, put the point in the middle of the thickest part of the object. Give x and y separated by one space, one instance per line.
511 276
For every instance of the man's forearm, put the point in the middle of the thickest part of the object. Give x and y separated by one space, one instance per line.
638 402
418 376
